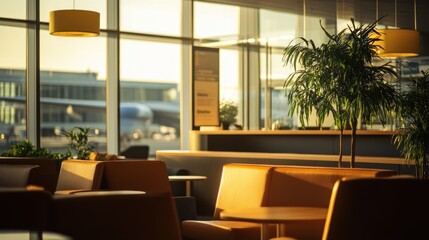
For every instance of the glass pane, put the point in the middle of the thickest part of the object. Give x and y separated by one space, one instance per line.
150 75
13 9
208 23
279 28
222 31
151 16
12 86
73 73
229 77
151 61
46 6
276 76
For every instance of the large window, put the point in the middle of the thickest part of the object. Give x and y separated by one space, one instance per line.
150 76
277 30
72 88
221 31
145 49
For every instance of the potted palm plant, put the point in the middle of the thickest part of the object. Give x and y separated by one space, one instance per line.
339 78
413 136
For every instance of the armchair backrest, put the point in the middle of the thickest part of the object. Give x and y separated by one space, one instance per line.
12 175
242 186
79 175
140 175
46 175
378 208
312 186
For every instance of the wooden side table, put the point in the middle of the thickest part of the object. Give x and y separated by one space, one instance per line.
274 215
188 179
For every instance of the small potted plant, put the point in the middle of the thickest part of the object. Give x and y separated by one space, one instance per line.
79 145
227 113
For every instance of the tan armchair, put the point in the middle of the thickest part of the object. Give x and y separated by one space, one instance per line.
378 208
242 186
258 185
45 175
24 210
79 175
142 175
12 175
107 215
113 215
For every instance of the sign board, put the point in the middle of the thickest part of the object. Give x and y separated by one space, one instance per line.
205 86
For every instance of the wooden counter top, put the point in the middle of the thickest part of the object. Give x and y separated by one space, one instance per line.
291 132
281 156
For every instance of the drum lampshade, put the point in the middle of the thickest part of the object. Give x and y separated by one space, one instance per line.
74 23
398 43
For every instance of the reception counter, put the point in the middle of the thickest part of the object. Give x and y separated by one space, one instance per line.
369 142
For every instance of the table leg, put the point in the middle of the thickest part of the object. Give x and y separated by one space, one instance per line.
281 230
188 188
265 233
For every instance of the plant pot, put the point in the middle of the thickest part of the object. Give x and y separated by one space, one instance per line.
225 125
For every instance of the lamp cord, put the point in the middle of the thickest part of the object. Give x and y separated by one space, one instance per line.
415 15
396 18
376 12
304 10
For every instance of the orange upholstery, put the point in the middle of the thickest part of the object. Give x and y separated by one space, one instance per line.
121 215
12 175
382 208
241 186
107 215
254 185
46 175
312 187
24 210
77 175
296 186
141 175
232 191
150 176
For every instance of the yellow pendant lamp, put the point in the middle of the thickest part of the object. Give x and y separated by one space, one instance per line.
74 23
399 42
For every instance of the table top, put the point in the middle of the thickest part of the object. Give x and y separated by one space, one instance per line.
174 178
275 214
